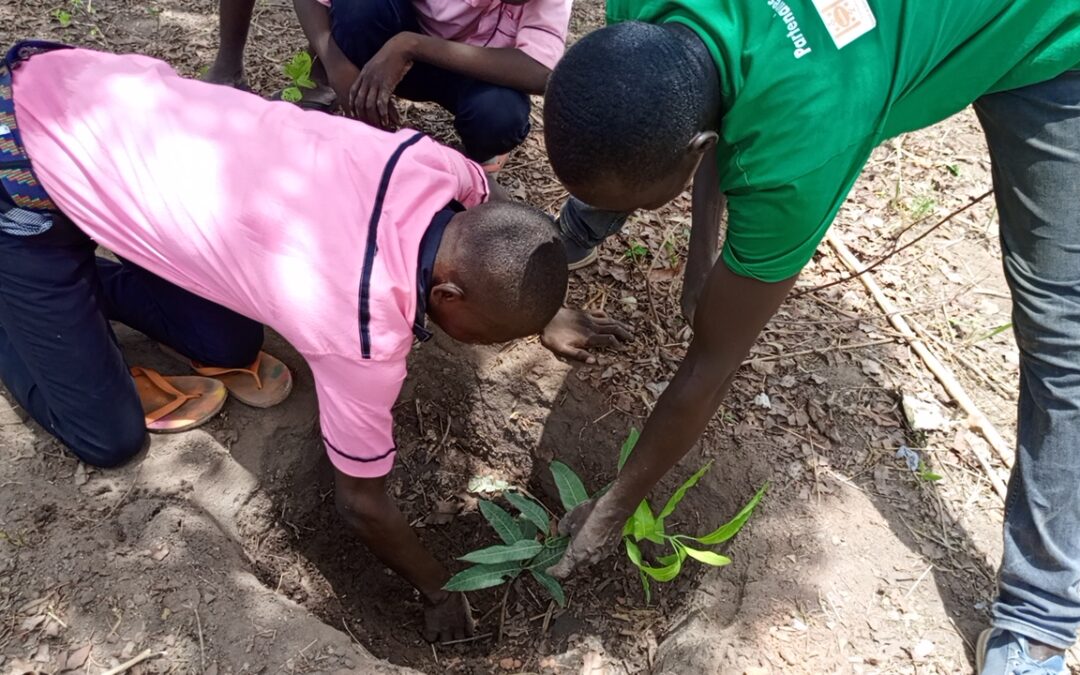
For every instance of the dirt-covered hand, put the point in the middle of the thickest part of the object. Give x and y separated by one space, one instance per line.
572 330
371 96
594 527
448 619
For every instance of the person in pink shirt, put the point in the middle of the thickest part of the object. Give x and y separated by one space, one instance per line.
479 59
228 212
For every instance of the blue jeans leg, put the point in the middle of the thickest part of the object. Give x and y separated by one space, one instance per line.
195 327
585 226
58 354
1034 139
490 119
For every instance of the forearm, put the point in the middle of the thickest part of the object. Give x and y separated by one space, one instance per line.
315 21
505 66
384 530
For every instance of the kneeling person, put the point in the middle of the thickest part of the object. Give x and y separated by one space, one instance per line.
229 212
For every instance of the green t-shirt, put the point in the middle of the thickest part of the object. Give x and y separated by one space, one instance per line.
812 86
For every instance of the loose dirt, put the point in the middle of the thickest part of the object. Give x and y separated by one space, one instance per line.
219 550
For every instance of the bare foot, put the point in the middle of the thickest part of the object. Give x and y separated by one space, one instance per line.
228 76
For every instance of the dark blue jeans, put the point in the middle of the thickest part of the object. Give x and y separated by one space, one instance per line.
58 354
491 119
1034 139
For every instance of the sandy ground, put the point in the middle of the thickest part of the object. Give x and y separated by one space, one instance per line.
218 550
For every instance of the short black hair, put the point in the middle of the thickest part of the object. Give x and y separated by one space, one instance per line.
626 101
514 264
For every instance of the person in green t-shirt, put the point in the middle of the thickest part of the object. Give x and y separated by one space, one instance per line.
772 107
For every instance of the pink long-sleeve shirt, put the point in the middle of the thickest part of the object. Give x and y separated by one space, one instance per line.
308 223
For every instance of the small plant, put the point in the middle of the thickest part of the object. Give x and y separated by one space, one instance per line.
636 252
644 526
63 17
522 550
298 70
924 473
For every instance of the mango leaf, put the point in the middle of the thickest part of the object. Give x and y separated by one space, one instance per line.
521 550
633 551
732 527
291 94
482 576
553 551
642 525
299 68
665 573
528 530
531 510
669 508
501 521
571 490
707 557
628 447
551 585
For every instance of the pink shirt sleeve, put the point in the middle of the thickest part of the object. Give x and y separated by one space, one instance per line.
356 398
542 30
472 181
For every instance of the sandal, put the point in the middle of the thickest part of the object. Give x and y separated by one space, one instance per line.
174 404
264 383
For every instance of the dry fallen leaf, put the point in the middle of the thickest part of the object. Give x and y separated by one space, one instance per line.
159 551
77 658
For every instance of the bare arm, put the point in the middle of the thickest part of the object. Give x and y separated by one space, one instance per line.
734 309
315 21
506 66
370 96
364 504
708 209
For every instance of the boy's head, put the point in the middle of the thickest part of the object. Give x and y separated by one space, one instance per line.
500 274
629 112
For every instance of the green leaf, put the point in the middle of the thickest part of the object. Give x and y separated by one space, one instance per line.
521 550
551 585
732 527
628 447
291 94
571 490
528 529
642 525
633 551
634 554
531 510
501 521
299 68
707 557
669 508
482 576
553 551
305 82
64 17
665 573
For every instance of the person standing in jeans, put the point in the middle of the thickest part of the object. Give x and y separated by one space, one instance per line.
773 109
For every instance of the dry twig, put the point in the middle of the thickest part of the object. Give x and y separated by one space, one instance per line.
976 418
134 661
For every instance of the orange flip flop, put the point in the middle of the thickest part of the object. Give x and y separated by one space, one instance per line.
263 384
177 403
